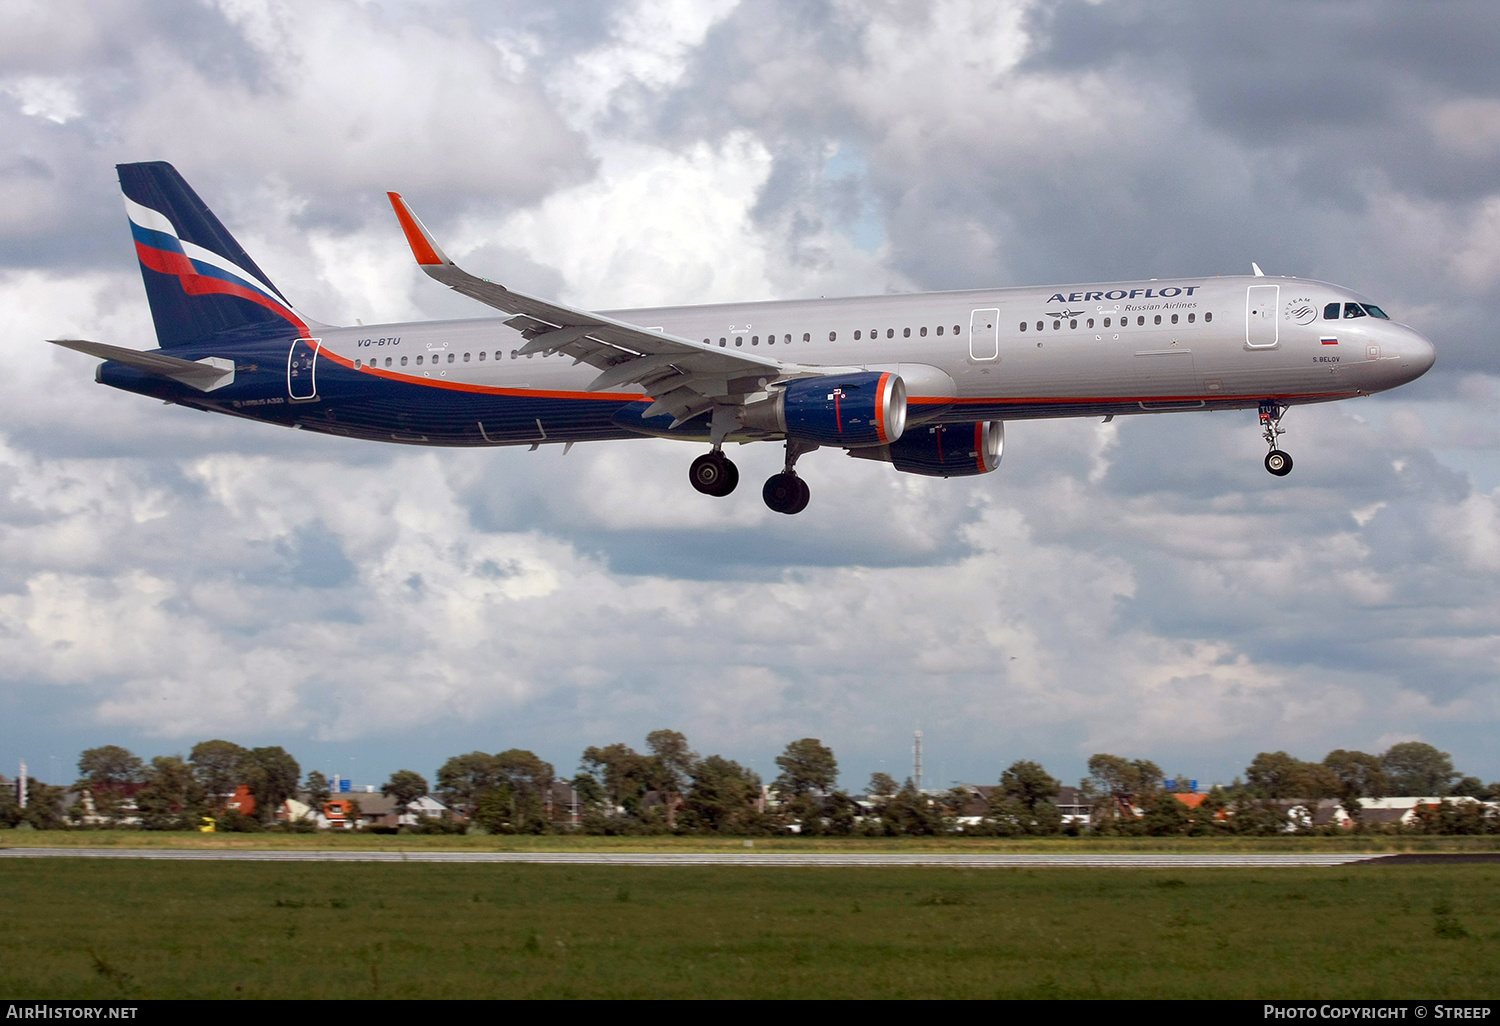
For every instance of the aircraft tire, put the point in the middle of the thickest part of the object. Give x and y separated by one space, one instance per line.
1278 463
782 493
804 494
714 474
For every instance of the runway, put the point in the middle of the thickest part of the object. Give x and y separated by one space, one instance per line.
1132 860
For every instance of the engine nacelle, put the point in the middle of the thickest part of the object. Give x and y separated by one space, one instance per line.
851 410
943 450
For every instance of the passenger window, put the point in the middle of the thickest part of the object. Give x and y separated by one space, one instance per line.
922 331
1174 318
481 356
1023 325
357 365
906 333
806 336
856 334
419 361
466 358
1057 324
387 361
1039 327
755 340
498 353
739 340
1106 322
1331 312
833 336
1140 322
513 354
1190 318
1158 318
955 329
403 361
723 342
1073 323
771 340
890 332
940 328
1091 322
874 332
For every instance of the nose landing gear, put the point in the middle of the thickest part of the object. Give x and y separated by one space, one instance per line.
1277 462
786 492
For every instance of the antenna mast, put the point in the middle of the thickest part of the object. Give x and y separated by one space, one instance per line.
916 752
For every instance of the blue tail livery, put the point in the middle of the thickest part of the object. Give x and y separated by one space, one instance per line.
199 281
922 382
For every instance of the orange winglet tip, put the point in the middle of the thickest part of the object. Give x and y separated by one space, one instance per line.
416 235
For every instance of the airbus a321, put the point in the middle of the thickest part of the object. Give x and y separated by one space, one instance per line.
924 382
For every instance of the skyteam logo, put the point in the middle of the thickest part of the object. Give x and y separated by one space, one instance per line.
201 271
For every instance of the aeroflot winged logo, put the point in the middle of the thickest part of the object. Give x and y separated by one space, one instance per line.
200 271
1170 292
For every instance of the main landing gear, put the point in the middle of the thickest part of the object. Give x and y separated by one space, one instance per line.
714 474
786 492
1277 462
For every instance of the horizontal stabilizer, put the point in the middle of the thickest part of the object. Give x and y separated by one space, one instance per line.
205 375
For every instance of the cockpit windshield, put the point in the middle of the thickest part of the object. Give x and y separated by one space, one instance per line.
1353 310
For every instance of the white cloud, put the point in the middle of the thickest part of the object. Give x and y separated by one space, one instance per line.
345 100
1140 586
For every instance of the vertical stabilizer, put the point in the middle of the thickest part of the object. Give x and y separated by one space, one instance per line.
199 281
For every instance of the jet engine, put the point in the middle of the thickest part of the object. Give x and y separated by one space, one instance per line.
851 410
943 450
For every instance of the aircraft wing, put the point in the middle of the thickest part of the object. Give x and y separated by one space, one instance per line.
683 376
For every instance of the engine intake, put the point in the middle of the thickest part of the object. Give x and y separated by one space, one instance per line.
943 450
851 410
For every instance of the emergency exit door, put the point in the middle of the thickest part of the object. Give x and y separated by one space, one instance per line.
984 334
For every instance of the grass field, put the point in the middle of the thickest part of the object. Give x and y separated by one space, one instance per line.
358 840
83 929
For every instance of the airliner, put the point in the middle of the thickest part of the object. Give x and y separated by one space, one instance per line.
923 382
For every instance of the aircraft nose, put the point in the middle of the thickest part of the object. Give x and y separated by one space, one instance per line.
1418 354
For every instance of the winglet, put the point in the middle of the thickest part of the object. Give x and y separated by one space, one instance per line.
422 247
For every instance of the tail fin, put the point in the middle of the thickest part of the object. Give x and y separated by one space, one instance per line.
199 281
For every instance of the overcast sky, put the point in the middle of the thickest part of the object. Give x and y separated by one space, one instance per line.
1143 588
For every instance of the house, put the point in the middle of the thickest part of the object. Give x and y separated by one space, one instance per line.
355 811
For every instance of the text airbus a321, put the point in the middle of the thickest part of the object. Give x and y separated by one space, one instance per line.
924 382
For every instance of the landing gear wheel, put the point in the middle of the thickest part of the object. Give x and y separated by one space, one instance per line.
786 493
1278 463
715 474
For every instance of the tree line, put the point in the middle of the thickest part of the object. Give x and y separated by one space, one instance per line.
670 788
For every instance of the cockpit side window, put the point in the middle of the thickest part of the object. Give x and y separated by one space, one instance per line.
1331 312
1375 311
1352 310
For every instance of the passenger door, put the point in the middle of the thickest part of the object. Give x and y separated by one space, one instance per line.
1262 329
302 370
